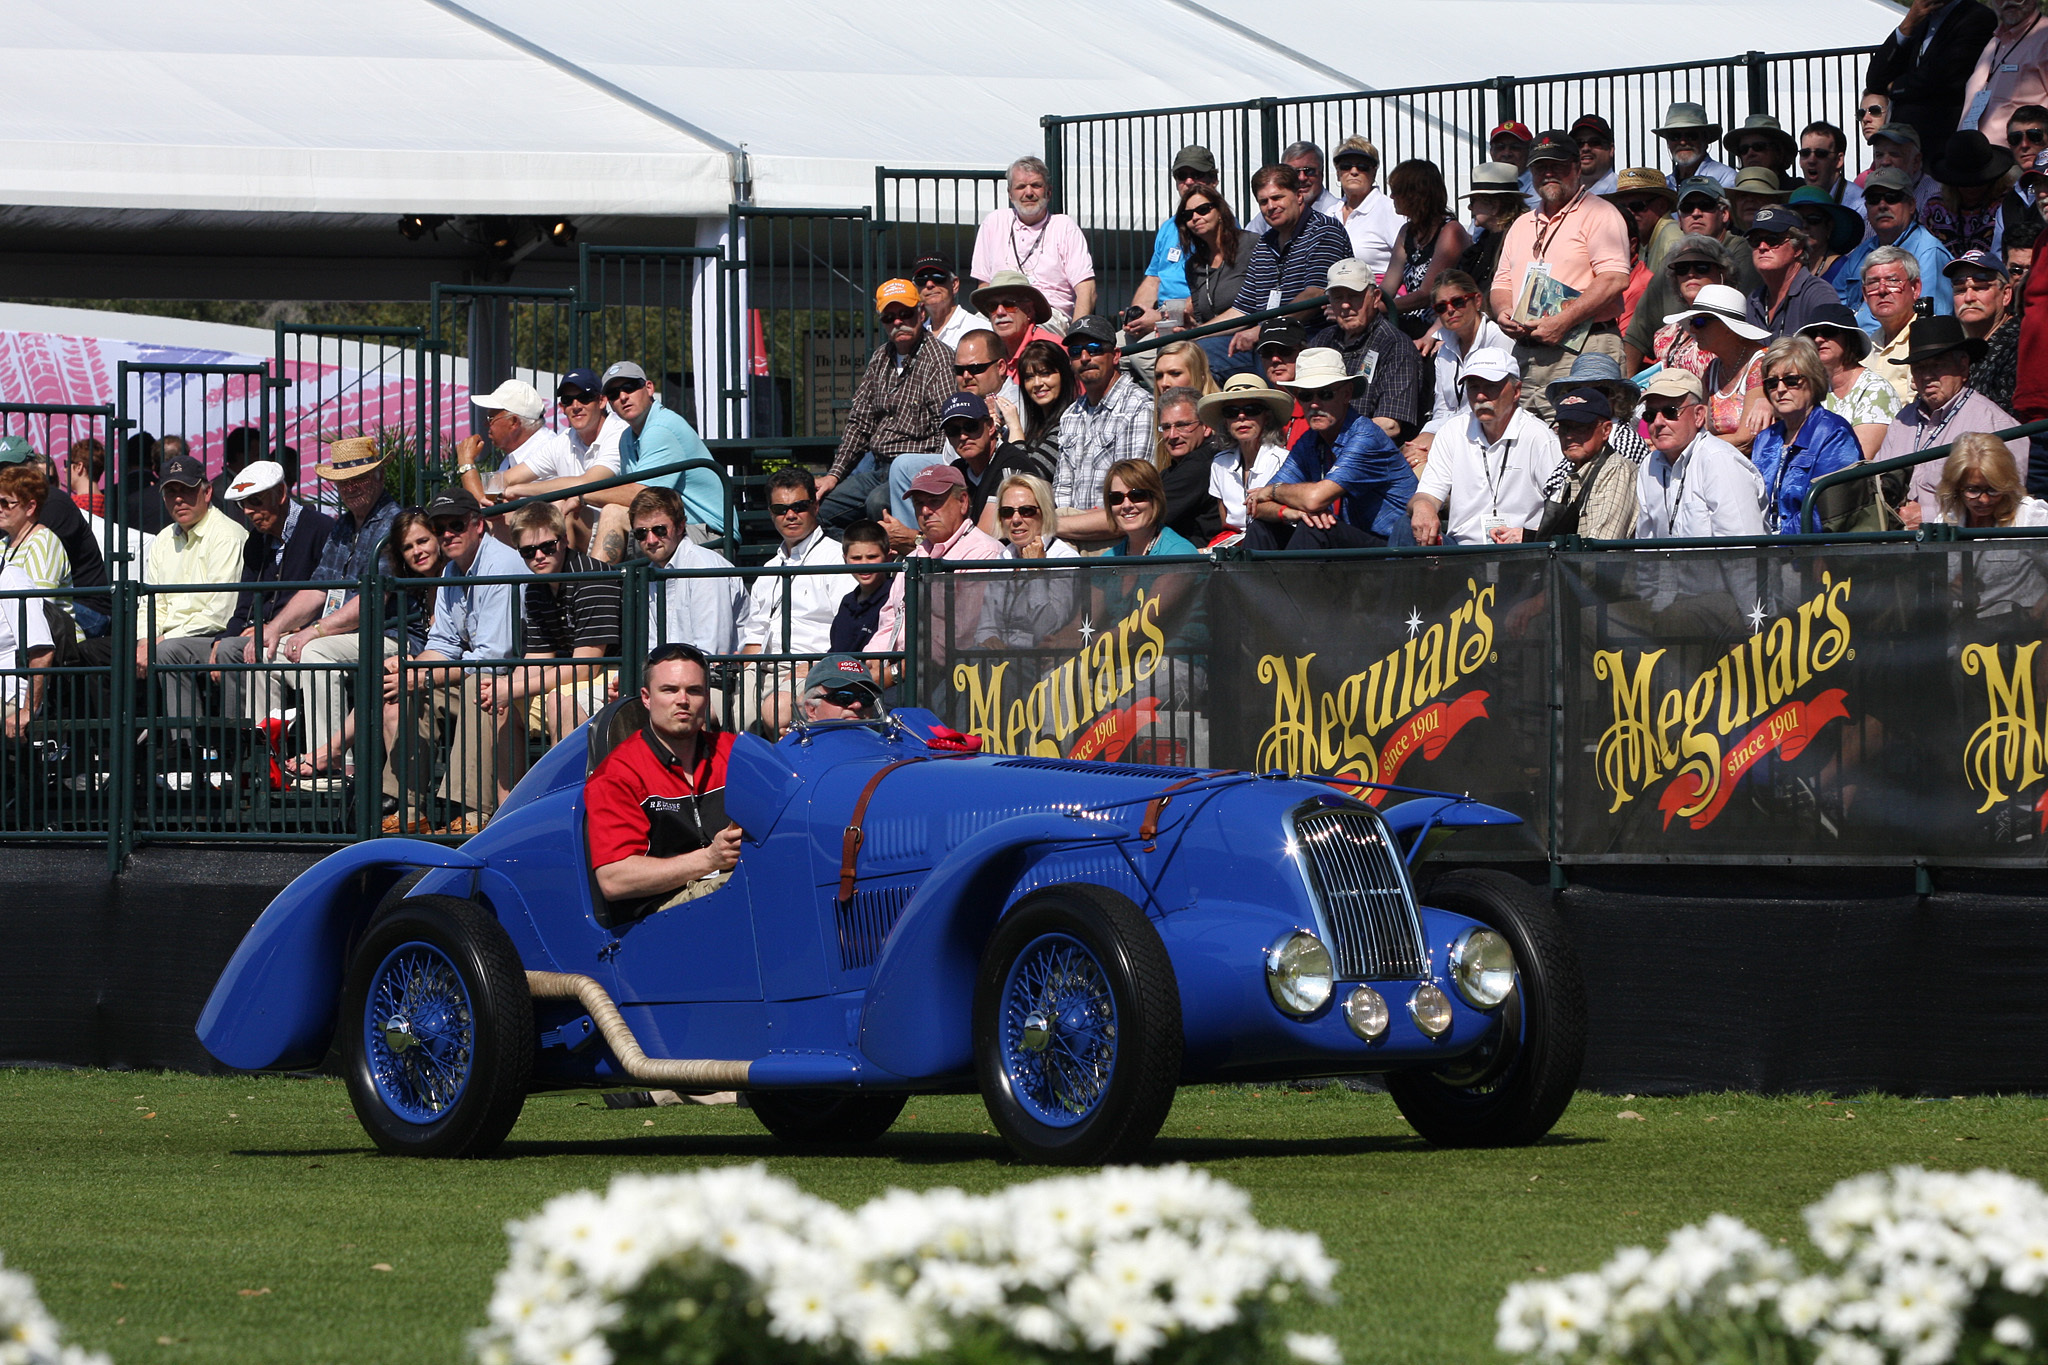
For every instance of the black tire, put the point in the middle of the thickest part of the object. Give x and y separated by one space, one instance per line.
474 986
826 1118
1141 1052
1513 1095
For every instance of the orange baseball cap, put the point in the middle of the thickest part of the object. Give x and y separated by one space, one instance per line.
897 291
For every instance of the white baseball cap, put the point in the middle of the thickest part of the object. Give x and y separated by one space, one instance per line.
256 476
1352 273
1489 363
515 396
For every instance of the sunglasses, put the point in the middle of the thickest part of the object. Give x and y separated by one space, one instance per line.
1022 509
929 277
1247 411
1602 143
1662 412
1322 395
2015 136
613 390
1816 220
1774 382
580 399
445 528
1134 497
9 504
1978 490
1773 240
1453 303
1883 197
1745 148
848 697
899 317
550 548
982 368
1076 348
1816 151
1873 111
1640 205
792 509
1196 211
658 531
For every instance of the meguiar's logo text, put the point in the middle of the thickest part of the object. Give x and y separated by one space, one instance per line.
1077 696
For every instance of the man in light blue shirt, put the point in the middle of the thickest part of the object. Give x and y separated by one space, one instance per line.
1166 275
473 630
656 436
1888 205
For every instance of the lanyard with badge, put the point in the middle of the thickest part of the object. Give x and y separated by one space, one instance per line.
1538 266
1999 67
1024 259
1493 520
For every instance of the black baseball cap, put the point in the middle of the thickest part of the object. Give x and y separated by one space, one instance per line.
183 469
1584 405
1774 218
453 502
931 265
1553 145
1282 333
1094 327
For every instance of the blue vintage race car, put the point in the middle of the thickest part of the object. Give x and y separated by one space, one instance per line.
1071 939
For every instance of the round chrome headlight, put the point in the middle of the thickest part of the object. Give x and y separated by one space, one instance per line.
1483 967
1430 1008
1299 974
1365 1010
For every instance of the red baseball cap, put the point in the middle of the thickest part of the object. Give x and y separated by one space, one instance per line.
1516 130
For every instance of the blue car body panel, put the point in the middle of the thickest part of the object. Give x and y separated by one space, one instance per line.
876 992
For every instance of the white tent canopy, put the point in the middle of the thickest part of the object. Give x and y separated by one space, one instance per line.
636 108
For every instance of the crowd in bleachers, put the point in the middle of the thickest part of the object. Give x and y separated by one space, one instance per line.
1610 352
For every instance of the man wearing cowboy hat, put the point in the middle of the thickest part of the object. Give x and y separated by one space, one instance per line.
1641 193
1345 456
1939 356
894 415
1483 481
1969 214
1687 131
1984 307
1888 206
1017 313
322 624
1926 62
1761 141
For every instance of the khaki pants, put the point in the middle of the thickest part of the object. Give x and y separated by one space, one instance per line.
559 710
485 757
1541 365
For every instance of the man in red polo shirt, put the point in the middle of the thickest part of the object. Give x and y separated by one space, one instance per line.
656 806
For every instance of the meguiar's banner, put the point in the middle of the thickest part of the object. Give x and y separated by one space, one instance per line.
1860 704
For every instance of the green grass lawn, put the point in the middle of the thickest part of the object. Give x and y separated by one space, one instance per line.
172 1218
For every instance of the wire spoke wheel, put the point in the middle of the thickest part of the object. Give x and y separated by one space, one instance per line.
437 1029
419 1033
1059 1030
1077 1031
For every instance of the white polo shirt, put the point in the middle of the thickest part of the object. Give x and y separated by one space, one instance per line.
566 455
1482 484
813 599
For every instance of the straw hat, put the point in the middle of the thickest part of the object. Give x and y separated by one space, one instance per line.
1243 388
1012 282
350 457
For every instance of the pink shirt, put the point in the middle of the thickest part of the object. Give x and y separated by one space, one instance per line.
969 542
1053 254
2014 70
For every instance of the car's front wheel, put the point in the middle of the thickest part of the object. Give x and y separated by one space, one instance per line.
825 1118
1077 1029
437 1029
1513 1090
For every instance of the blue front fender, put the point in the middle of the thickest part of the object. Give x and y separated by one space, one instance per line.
918 1019
274 1006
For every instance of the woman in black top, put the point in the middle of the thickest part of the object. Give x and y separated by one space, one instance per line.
1429 243
1046 385
1216 250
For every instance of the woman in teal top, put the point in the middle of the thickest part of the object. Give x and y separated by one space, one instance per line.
1163 604
1135 498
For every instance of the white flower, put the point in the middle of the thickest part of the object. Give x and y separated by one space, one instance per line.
1315 1349
2012 1331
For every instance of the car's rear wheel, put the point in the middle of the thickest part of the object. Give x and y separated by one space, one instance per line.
825 1118
1077 1030
1513 1091
437 1029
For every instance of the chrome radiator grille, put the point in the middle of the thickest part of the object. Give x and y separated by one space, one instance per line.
1355 872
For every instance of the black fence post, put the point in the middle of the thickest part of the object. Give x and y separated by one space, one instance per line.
1504 99
1759 81
1055 163
1269 131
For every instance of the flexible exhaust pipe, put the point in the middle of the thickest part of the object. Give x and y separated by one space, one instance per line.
693 1074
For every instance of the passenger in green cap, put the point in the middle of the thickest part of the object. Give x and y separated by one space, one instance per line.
839 687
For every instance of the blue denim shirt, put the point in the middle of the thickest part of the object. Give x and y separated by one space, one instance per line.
1364 462
1822 445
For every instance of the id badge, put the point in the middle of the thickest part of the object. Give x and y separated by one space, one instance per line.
1488 525
1368 367
335 598
1975 113
1272 299
1173 256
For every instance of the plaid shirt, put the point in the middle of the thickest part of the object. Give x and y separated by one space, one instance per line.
1610 509
350 544
1094 436
896 407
